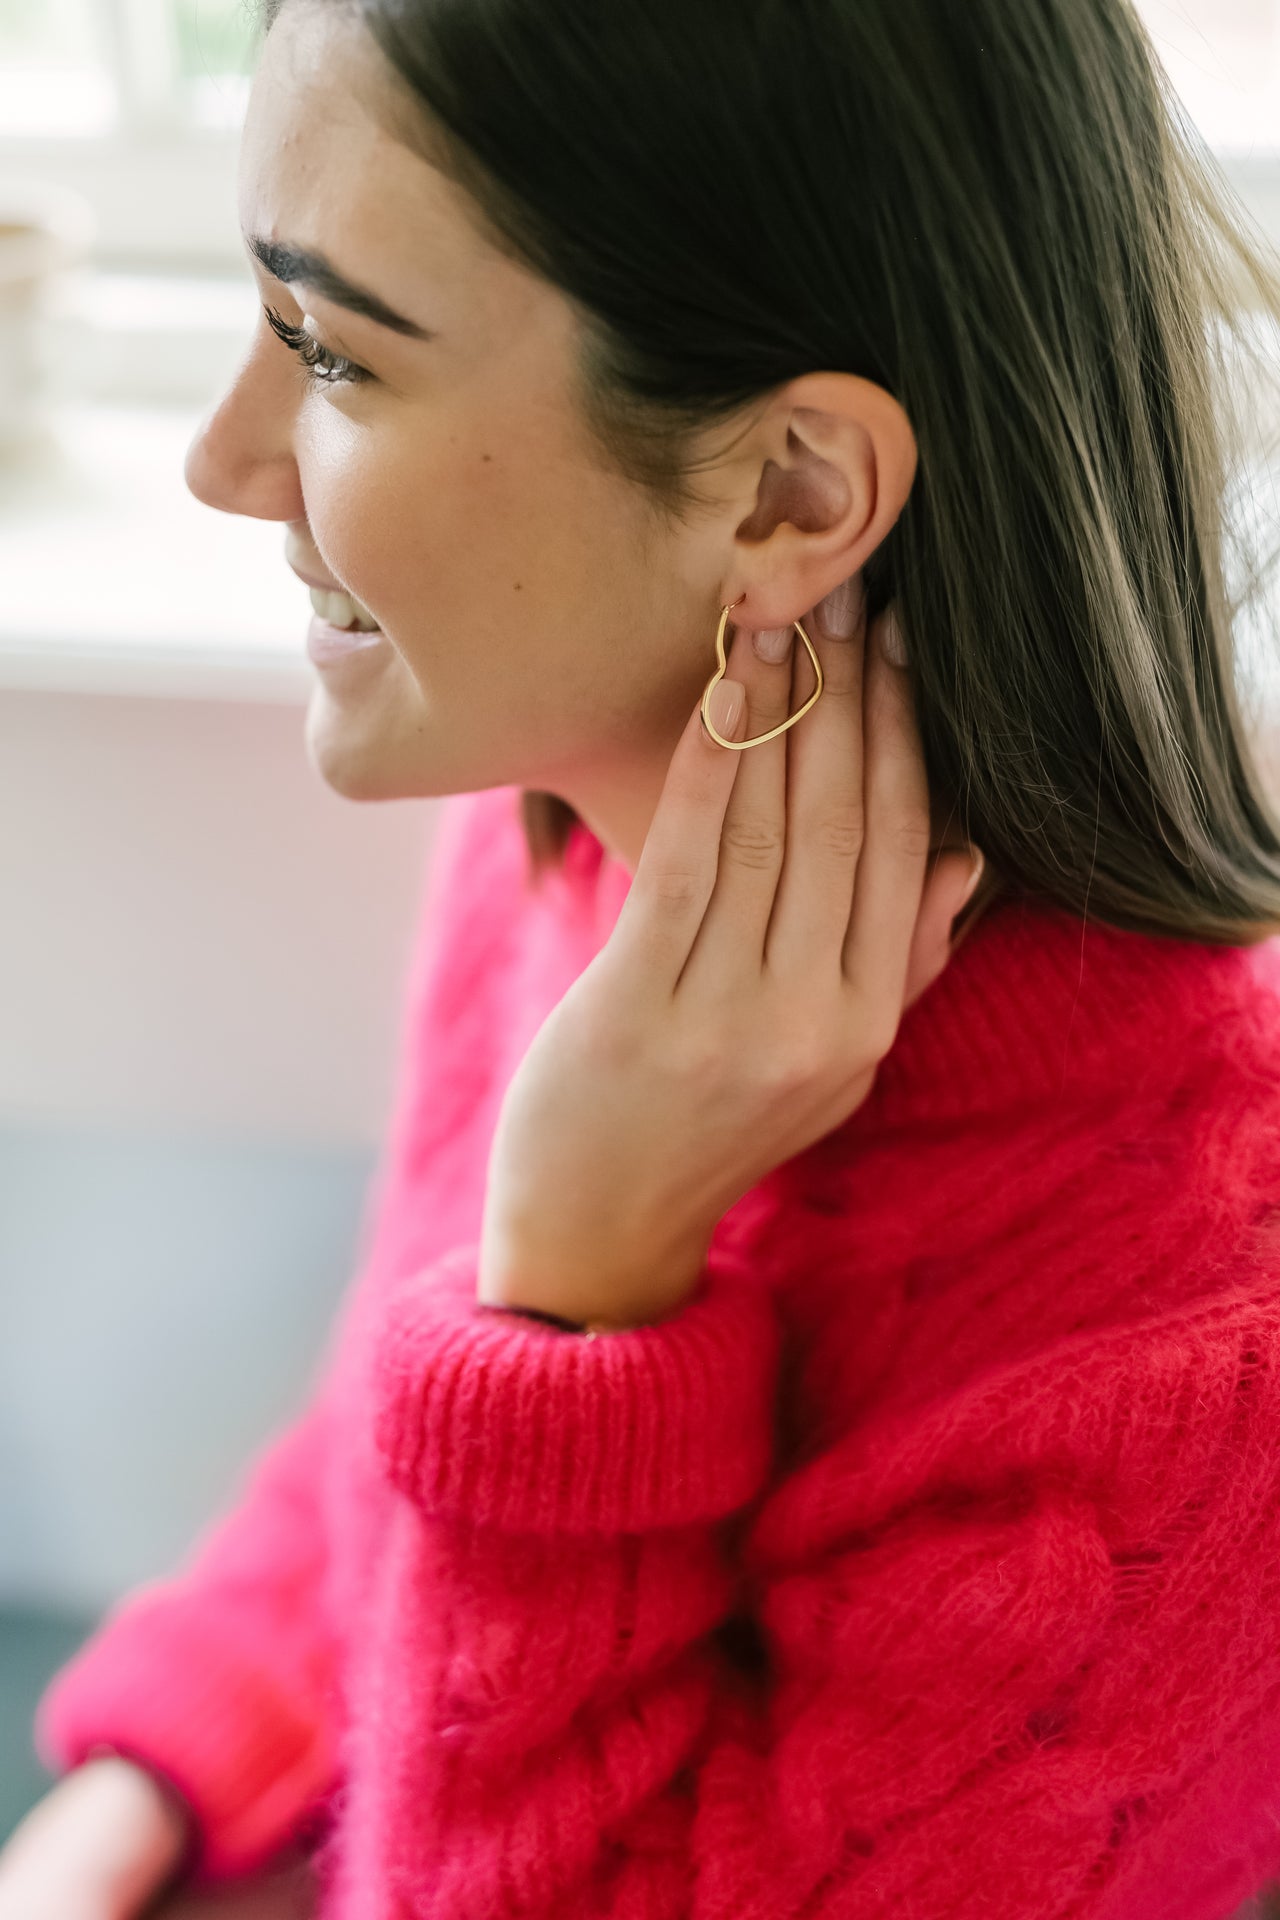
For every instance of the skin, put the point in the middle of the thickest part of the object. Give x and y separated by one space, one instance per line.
543 625
739 1010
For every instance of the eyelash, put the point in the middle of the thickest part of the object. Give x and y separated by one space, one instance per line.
323 368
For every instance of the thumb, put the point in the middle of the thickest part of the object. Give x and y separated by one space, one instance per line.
949 886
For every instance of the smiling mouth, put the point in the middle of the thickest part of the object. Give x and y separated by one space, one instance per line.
344 611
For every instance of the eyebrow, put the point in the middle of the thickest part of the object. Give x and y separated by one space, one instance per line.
298 266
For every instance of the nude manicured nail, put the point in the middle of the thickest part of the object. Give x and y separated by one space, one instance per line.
892 644
839 611
774 643
725 704
979 862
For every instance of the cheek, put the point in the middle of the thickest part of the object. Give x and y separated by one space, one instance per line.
410 527
481 550
453 519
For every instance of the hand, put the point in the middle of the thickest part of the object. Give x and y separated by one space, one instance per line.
782 915
101 1844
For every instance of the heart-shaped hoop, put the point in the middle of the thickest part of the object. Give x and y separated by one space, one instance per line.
721 669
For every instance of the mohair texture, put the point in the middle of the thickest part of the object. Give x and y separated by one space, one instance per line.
924 1566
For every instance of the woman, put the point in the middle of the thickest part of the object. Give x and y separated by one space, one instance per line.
802 1442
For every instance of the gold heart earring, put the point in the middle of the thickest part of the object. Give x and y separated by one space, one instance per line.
739 745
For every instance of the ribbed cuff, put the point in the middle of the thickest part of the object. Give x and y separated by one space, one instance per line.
201 1718
493 1419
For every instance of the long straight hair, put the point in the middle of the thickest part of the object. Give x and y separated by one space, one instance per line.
999 212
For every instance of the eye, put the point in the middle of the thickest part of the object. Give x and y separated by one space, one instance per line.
323 368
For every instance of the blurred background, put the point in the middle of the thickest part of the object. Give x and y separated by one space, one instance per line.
203 948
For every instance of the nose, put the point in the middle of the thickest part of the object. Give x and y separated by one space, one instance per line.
241 458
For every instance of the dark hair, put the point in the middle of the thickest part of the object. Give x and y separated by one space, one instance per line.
999 212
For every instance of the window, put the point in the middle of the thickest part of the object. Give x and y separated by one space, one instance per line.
53 73
137 104
1224 58
85 68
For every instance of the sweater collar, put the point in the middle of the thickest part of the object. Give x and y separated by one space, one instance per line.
1036 1005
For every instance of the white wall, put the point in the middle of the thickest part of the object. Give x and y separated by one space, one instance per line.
202 952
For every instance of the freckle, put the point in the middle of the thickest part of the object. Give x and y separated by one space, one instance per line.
486 456
517 586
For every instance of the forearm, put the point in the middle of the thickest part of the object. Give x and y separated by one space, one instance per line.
613 1282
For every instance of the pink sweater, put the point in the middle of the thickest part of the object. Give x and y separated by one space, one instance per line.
926 1564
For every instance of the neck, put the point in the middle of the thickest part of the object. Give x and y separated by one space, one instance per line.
619 814
1037 1006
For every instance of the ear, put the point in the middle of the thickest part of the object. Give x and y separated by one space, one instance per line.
831 463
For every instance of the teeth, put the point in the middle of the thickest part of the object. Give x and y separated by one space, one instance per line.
343 610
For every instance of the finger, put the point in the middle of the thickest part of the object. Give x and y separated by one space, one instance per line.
676 873
895 848
753 839
824 791
950 883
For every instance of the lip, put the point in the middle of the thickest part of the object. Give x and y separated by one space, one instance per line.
327 645
311 580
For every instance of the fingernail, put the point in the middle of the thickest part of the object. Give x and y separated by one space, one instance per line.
840 609
974 877
724 706
774 643
891 642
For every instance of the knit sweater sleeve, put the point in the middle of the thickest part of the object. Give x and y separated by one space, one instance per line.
562 1564
219 1678
983 1623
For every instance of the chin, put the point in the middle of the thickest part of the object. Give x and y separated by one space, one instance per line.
348 763
361 763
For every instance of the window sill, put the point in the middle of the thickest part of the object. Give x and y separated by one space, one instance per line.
117 580
168 195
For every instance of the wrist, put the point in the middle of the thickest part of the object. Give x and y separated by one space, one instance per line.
145 1828
100 1841
600 1298
543 1318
